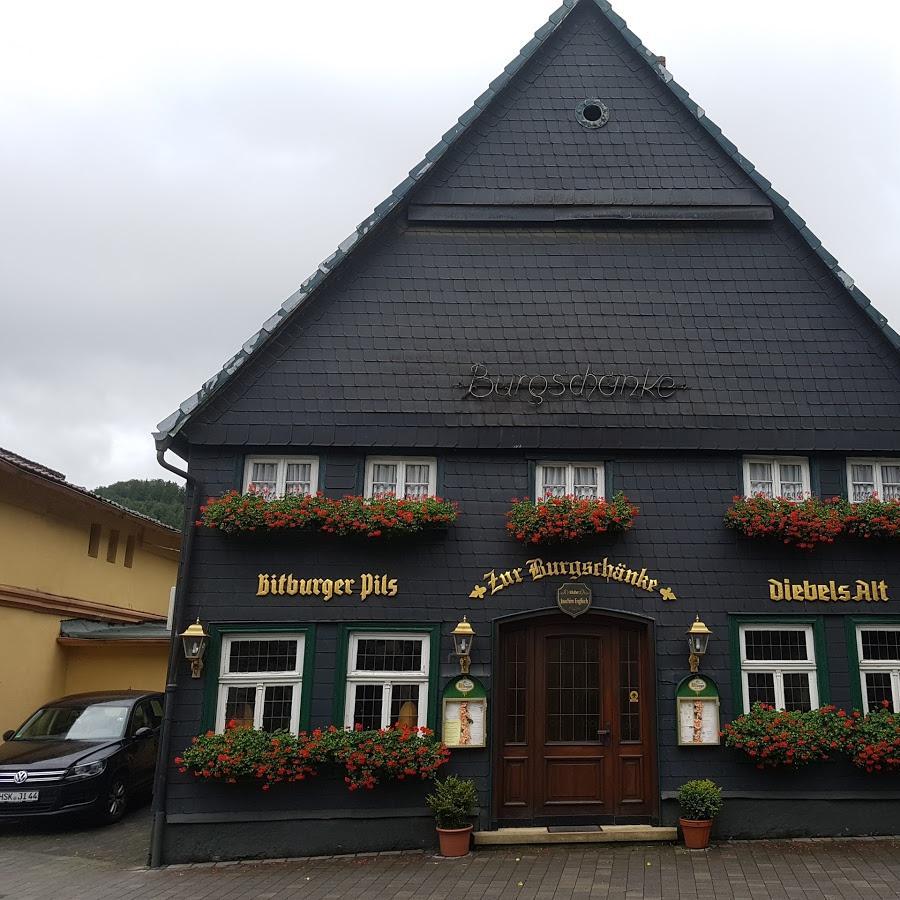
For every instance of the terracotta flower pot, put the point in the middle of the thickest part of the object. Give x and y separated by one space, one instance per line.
454 841
696 833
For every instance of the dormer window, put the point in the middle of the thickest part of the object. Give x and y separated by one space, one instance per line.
786 476
280 476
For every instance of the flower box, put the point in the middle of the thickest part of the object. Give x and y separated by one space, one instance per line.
779 739
772 738
371 517
556 520
873 740
873 518
798 523
366 758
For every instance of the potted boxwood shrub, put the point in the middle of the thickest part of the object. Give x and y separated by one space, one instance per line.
700 803
453 804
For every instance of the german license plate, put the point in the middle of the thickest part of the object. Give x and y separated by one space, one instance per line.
19 796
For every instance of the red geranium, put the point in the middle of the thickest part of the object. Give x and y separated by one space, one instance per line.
555 520
373 517
366 756
799 523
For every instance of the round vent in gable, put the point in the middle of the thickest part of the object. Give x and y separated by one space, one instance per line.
592 113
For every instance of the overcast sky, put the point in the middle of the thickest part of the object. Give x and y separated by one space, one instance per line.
170 172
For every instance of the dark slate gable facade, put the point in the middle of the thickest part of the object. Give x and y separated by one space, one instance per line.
645 251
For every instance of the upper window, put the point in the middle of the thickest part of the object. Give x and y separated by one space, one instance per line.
866 477
778 666
411 478
786 476
878 648
260 678
387 680
560 479
279 476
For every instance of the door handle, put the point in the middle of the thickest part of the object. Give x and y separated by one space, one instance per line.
603 735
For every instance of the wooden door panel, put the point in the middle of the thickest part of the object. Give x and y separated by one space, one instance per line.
574 779
515 782
631 779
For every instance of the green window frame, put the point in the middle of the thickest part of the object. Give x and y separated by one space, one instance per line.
341 679
214 662
852 623
817 625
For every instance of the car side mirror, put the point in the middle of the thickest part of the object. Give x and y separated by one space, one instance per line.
143 732
8 735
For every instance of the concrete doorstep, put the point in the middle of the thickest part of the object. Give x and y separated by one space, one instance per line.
605 834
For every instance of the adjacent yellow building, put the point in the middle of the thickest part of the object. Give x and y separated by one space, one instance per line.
85 589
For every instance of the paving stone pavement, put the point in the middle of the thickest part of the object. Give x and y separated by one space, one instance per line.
861 869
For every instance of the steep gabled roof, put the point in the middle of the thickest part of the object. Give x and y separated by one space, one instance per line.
172 425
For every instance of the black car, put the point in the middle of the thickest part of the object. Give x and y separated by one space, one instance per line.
84 753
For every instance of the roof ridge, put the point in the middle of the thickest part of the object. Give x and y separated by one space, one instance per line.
172 424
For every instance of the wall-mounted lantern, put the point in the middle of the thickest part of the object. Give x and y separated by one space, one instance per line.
194 640
463 638
698 639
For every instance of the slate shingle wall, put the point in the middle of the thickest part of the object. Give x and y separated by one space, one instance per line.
529 139
767 342
678 537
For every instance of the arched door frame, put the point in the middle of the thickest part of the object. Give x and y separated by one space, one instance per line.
550 614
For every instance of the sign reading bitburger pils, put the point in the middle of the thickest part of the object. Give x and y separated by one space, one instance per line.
287 585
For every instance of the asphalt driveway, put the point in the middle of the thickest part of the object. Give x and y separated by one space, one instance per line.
123 845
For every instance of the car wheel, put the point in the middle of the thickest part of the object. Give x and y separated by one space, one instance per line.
113 801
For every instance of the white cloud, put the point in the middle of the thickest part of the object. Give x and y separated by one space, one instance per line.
170 173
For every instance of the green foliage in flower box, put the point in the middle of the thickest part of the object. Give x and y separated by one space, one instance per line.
776 738
367 757
773 738
556 520
873 740
372 517
800 523
873 518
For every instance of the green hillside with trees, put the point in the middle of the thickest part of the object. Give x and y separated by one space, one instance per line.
154 497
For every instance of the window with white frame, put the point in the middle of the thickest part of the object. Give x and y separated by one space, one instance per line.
410 478
260 681
280 476
561 479
786 477
387 679
866 477
778 666
878 649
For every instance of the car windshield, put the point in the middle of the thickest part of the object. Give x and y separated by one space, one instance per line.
91 722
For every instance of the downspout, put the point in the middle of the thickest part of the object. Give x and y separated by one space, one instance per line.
161 775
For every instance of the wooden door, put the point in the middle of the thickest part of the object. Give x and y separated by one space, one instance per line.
573 722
